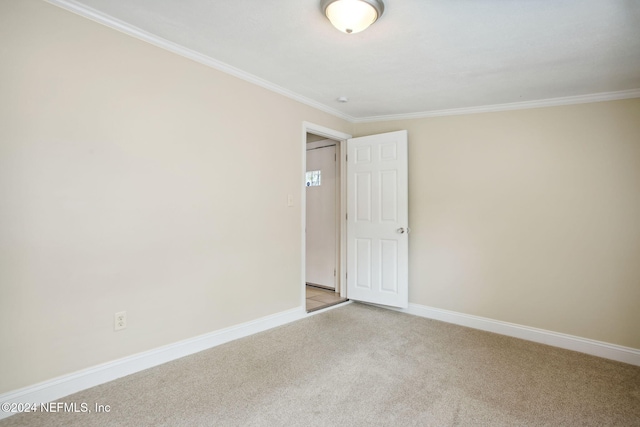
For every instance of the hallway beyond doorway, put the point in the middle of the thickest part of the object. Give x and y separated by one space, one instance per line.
318 298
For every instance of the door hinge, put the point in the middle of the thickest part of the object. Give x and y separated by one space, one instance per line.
346 216
334 272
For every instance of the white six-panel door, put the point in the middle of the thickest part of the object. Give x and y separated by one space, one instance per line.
377 219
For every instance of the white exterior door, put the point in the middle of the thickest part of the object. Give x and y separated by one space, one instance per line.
321 217
377 219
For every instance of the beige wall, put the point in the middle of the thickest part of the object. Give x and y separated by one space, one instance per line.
134 179
530 217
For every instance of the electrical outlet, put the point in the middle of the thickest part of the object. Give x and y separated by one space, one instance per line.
120 320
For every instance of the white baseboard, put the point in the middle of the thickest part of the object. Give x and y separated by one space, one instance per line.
60 387
556 339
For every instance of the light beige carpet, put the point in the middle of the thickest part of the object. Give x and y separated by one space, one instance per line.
364 366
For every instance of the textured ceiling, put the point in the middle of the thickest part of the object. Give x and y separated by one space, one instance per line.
421 56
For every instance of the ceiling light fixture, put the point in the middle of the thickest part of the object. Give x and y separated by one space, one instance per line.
352 16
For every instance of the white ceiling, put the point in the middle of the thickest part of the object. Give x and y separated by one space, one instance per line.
422 56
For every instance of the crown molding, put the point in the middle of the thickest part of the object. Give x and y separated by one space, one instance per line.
551 102
116 24
123 27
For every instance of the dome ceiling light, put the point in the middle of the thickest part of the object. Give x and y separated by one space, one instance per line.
352 16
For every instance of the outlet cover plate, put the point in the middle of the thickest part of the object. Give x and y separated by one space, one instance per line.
120 320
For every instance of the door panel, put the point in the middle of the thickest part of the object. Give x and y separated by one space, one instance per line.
363 196
377 222
389 266
389 198
363 263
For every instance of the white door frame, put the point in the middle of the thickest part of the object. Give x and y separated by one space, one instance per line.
341 149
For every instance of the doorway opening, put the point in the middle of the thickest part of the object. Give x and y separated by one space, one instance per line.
322 182
324 210
377 227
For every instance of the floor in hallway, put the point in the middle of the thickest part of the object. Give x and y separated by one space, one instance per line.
318 298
